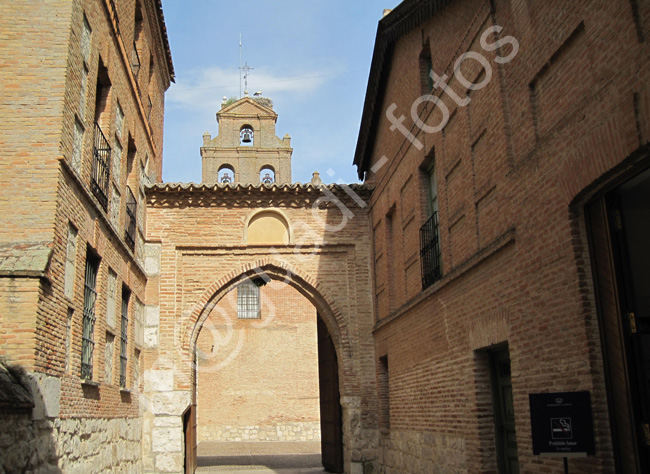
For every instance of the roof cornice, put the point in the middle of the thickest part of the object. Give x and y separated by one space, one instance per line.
407 16
257 195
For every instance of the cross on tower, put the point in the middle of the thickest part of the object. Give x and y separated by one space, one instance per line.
245 68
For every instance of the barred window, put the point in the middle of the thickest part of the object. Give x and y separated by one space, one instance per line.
126 295
248 301
90 296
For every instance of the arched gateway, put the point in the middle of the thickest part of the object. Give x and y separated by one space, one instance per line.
199 251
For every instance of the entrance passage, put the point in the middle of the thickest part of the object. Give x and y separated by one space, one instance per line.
504 412
267 387
619 225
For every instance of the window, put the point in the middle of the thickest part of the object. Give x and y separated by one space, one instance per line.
267 175
88 329
248 301
383 387
429 234
99 183
126 294
131 218
137 41
70 257
426 65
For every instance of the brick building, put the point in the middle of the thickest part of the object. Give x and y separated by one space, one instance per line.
82 98
508 145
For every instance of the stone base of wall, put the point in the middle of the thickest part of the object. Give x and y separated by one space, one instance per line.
82 446
100 445
409 451
297 431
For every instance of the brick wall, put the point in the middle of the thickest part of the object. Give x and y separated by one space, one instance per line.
257 379
511 167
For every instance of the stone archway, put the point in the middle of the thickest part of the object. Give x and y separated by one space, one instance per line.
197 251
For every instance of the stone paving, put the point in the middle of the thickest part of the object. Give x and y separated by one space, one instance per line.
260 458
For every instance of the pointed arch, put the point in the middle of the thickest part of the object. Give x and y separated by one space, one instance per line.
274 269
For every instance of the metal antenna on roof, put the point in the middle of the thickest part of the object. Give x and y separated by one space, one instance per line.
244 68
240 65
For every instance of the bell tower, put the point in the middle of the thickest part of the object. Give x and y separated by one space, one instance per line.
246 150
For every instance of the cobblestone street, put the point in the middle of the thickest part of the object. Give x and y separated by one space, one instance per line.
260 458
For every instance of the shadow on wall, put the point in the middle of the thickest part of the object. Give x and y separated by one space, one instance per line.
26 434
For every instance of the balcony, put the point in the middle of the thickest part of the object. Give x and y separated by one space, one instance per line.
131 218
135 62
100 171
430 251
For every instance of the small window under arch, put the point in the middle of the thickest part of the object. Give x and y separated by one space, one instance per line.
248 300
246 135
267 175
226 174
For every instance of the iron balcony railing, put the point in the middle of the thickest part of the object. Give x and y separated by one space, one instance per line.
100 171
131 218
430 251
135 61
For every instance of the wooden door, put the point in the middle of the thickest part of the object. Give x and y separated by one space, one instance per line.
189 431
330 404
504 412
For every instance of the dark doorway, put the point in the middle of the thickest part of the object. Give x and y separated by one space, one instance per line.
504 411
619 224
330 405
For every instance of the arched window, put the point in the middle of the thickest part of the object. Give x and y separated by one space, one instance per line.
246 135
267 175
226 174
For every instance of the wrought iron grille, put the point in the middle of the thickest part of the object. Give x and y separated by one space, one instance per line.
149 107
124 335
430 251
248 301
131 218
90 296
135 61
101 162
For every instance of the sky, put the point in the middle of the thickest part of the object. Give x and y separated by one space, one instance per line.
311 57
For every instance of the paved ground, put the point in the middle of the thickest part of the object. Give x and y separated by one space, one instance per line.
260 458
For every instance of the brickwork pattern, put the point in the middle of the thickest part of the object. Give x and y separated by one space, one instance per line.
268 390
512 167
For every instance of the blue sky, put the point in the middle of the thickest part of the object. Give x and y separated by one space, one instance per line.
311 57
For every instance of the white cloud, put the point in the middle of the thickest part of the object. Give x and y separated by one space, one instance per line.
204 88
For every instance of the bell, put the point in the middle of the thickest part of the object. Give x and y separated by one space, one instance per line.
246 138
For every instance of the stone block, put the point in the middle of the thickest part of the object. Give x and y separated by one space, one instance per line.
151 338
152 254
47 396
169 462
151 315
170 403
168 422
159 380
